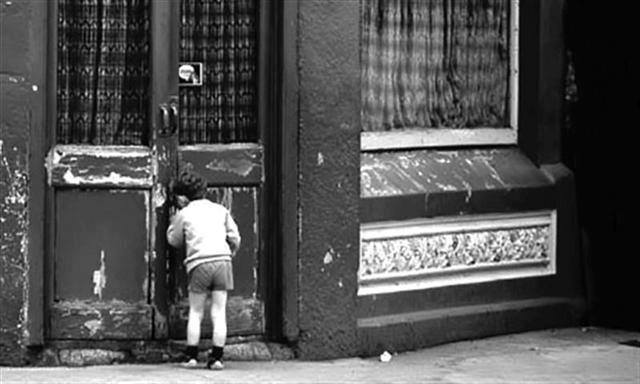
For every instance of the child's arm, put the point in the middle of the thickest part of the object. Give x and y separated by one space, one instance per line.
233 235
175 231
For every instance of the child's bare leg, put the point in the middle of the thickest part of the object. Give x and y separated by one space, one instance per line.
219 317
196 312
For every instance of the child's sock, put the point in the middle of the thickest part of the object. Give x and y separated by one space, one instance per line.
216 353
192 352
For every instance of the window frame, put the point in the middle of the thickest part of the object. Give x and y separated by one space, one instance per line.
417 138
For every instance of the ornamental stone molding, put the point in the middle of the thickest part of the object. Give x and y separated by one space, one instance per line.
428 253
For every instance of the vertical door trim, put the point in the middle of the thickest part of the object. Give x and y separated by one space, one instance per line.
266 284
164 85
271 281
35 306
288 168
49 141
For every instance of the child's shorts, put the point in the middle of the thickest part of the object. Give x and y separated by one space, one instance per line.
211 276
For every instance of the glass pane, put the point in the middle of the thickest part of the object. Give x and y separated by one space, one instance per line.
220 34
103 72
435 63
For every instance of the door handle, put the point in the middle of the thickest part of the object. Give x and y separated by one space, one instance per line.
173 106
165 120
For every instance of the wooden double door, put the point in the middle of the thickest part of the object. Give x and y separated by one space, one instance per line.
112 274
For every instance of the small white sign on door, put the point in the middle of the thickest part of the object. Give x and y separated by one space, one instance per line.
190 74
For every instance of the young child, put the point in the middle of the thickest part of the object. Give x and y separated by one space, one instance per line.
211 238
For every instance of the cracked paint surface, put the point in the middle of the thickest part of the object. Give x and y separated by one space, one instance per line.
15 121
117 166
109 319
21 107
240 166
428 171
243 313
100 277
227 164
105 261
14 221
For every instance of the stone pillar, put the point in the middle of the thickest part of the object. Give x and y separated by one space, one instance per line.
329 169
22 105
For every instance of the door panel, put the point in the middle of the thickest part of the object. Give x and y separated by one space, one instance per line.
245 316
100 320
100 251
115 166
225 164
107 204
245 309
100 171
219 138
104 250
242 203
222 35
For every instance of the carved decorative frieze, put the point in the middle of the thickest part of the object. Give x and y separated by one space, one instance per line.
446 250
459 250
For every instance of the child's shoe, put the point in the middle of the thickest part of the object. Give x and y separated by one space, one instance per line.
215 359
191 363
215 365
191 357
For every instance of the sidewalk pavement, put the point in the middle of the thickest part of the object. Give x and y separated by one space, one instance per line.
573 355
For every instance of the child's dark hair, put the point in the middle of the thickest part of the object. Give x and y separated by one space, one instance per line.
191 185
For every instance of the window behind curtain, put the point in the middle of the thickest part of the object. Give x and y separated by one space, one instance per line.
435 64
222 35
103 72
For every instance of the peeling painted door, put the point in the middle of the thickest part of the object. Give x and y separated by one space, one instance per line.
123 129
101 172
217 134
234 175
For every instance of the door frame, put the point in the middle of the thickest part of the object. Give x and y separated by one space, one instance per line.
278 119
271 132
37 189
48 136
286 164
50 181
278 127
269 136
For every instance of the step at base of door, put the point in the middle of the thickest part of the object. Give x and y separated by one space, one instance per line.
91 352
243 348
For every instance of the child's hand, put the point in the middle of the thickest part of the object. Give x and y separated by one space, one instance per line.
181 201
233 246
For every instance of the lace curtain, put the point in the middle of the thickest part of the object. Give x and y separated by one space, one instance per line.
434 63
103 72
222 35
